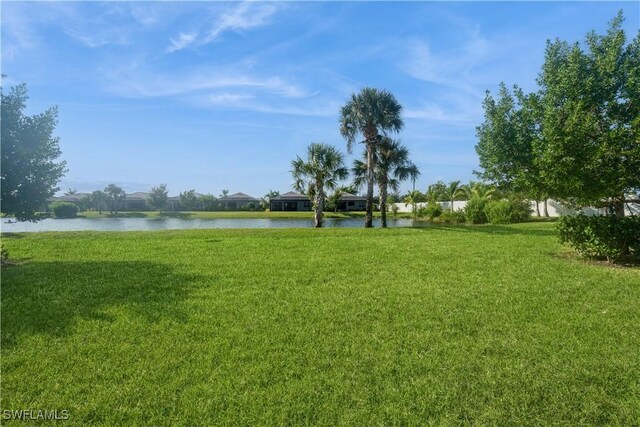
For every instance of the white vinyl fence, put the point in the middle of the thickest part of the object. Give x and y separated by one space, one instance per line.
554 208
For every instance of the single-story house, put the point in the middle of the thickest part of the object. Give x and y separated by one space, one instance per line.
351 202
291 201
135 202
238 201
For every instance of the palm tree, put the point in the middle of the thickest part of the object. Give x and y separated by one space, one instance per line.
370 113
114 194
454 191
413 198
480 190
322 170
392 165
98 199
432 194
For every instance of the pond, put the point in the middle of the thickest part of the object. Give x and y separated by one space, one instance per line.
142 224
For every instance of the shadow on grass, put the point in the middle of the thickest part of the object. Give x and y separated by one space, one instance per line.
49 297
12 235
488 229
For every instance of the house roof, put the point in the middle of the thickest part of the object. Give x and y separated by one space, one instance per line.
291 195
137 196
177 198
351 197
70 198
238 197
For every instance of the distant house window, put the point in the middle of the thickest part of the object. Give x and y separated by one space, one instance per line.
306 204
351 203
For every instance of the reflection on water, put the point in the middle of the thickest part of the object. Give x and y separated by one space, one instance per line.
141 224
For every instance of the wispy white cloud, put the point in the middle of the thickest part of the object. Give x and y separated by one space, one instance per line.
215 86
452 69
183 40
244 16
97 39
227 98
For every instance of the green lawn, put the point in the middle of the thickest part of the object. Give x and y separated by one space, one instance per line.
494 325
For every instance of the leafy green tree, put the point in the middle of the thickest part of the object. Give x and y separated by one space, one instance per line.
189 200
439 190
371 112
265 201
208 202
30 172
590 145
506 142
158 197
115 195
322 169
84 204
392 166
333 200
576 138
99 200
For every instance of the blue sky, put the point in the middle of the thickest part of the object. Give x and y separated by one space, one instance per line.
212 95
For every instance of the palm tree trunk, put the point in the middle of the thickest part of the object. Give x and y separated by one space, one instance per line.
317 205
368 219
383 203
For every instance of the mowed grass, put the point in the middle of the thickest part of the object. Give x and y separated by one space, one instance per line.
495 325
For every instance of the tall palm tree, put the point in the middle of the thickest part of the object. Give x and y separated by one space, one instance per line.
322 170
454 191
371 112
392 165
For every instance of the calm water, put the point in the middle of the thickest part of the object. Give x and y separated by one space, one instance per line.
138 224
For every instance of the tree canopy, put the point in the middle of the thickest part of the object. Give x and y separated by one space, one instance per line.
30 170
370 113
321 171
158 197
189 200
577 138
391 166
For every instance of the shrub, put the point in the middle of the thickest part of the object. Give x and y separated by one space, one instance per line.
601 237
64 210
433 210
499 212
455 217
394 210
508 211
474 211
